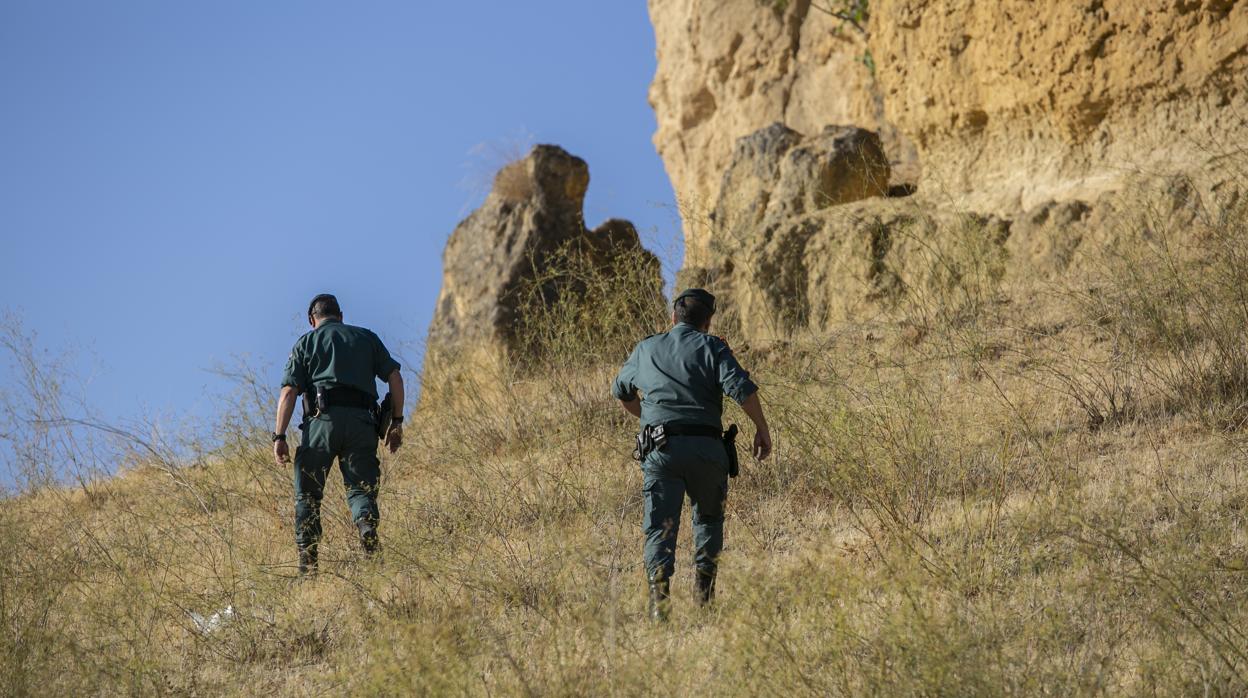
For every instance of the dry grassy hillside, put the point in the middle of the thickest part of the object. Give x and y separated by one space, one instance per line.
985 490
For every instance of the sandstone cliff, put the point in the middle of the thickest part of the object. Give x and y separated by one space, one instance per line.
730 67
1008 103
1043 125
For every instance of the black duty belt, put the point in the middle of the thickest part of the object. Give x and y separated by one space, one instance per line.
692 430
344 397
654 437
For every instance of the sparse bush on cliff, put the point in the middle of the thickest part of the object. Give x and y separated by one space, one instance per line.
574 313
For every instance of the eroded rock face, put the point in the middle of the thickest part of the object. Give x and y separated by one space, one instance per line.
493 260
728 68
1017 102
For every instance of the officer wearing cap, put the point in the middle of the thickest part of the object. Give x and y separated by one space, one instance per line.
335 366
676 380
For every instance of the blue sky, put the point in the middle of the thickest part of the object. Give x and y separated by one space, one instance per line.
177 179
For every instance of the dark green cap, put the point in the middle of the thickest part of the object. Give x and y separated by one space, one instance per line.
698 294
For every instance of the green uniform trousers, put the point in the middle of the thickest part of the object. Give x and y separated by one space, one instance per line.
692 465
350 435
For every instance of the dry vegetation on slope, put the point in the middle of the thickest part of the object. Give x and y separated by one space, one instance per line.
989 489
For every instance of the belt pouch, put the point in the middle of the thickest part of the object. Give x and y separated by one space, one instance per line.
730 445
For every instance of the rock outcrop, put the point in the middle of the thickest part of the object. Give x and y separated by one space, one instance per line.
776 177
498 260
776 173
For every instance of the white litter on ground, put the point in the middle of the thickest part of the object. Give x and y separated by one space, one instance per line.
213 623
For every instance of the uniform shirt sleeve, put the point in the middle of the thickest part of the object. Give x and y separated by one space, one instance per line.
625 388
734 380
383 363
296 373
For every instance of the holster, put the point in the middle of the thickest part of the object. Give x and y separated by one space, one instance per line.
384 414
313 404
315 401
651 438
309 407
730 445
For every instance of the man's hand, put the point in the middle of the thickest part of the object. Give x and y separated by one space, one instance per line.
762 444
281 452
285 408
632 407
394 438
762 434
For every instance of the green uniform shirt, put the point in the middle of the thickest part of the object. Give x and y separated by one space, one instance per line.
683 375
337 355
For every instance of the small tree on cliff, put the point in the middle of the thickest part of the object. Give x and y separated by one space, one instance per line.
853 13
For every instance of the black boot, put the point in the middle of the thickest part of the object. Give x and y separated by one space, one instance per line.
307 560
660 599
368 537
705 581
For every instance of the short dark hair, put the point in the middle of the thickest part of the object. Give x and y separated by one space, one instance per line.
323 306
692 311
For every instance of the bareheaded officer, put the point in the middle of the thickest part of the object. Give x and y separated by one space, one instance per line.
682 376
334 367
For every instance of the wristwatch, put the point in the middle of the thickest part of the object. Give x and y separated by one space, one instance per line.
396 420
278 437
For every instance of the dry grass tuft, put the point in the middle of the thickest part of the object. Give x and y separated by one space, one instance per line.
514 182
